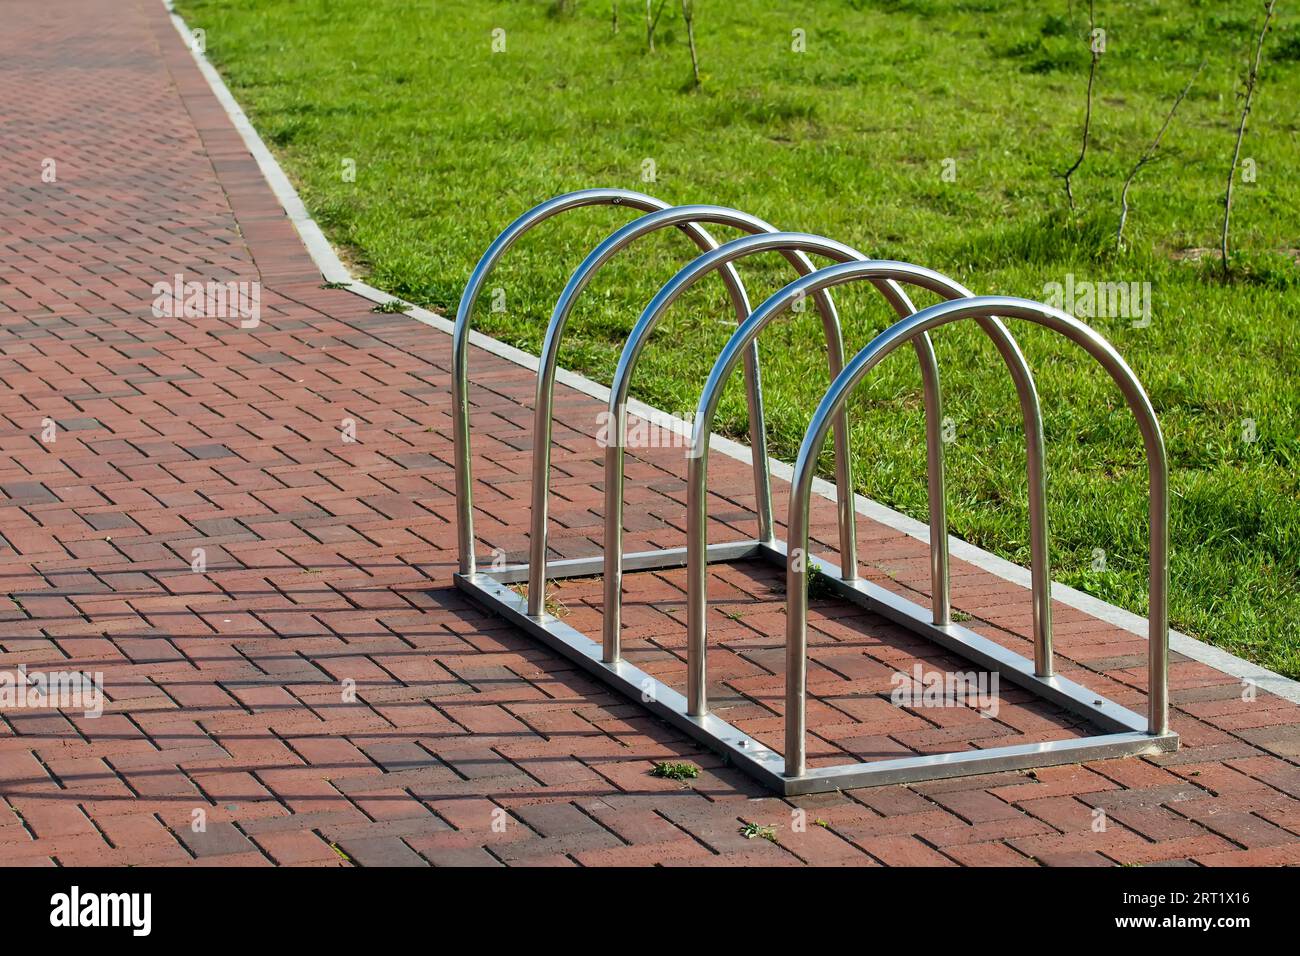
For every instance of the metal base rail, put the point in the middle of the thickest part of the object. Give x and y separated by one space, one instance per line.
1124 731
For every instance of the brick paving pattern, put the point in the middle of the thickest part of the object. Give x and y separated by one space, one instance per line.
320 694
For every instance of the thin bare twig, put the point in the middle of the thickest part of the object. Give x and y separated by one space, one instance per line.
1251 78
688 14
1095 49
1148 156
652 21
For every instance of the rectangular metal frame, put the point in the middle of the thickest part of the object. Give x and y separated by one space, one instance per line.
1125 731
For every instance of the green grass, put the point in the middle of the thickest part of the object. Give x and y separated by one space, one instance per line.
452 141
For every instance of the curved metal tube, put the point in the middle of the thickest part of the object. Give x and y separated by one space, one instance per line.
885 276
674 216
460 356
837 395
617 414
544 404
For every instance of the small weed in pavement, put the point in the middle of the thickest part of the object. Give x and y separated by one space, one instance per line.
675 771
819 584
763 831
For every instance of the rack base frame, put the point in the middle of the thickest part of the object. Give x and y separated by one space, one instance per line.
1124 732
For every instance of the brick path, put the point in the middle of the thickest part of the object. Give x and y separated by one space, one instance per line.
329 562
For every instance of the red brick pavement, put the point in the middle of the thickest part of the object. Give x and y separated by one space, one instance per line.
328 568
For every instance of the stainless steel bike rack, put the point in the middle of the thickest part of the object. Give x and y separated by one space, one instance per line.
1125 732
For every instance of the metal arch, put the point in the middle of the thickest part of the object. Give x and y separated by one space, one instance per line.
836 396
885 276
621 384
544 405
792 246
460 355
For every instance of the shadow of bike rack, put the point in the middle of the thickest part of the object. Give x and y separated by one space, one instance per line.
1123 731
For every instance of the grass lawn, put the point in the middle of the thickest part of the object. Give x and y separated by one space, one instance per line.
851 139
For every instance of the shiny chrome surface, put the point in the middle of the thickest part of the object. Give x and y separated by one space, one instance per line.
681 217
853 374
886 277
460 354
1124 732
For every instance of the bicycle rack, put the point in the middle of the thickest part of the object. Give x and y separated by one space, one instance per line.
1126 733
